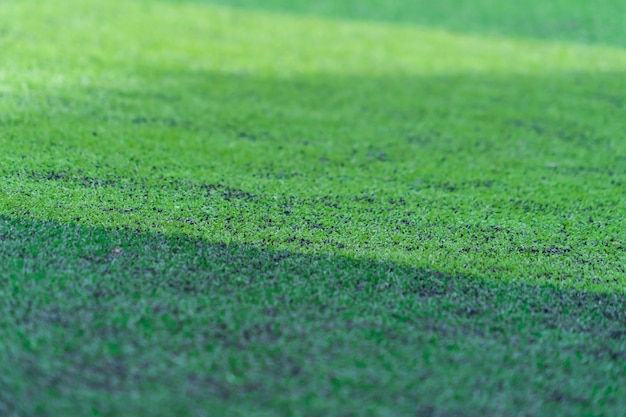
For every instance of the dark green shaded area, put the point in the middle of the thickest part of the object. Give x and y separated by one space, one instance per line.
224 329
598 22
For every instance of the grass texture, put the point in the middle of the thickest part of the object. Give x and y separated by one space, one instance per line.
263 210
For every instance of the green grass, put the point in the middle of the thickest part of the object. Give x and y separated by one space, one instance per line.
598 22
227 211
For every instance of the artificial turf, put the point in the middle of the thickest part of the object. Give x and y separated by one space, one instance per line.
210 210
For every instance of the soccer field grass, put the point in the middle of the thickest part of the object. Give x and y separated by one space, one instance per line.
312 208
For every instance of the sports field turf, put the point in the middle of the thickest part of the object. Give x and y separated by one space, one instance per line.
312 208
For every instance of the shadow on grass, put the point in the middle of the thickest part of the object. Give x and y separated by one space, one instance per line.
134 322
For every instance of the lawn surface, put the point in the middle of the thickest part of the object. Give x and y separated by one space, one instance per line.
303 208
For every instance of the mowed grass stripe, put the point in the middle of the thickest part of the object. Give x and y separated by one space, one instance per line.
509 196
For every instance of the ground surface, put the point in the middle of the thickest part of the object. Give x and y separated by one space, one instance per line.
304 208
